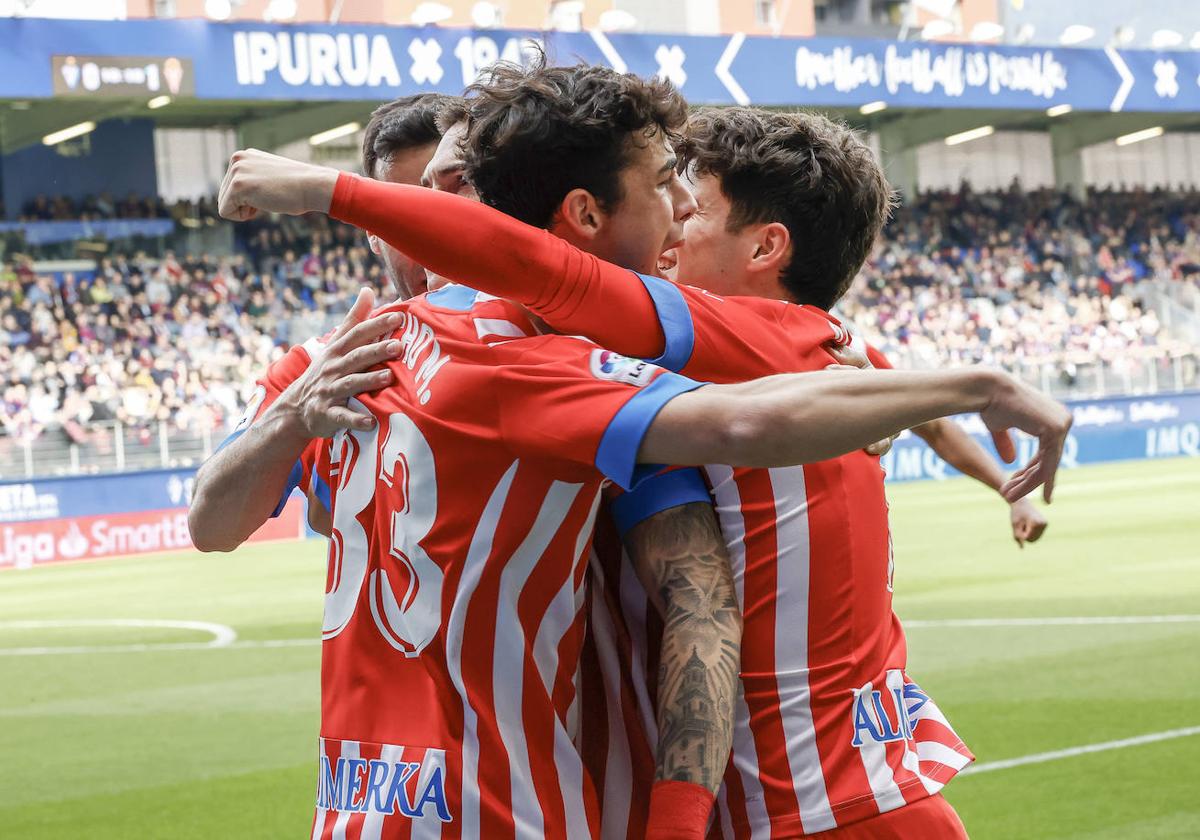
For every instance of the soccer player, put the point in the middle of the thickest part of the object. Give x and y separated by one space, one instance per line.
740 195
742 171
229 504
464 513
674 570
820 746
397 144
758 196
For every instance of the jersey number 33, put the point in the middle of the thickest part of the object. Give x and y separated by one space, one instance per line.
405 587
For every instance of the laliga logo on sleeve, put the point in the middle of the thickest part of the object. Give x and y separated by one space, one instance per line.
606 364
260 394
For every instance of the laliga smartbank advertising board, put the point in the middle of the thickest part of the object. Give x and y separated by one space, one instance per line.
89 517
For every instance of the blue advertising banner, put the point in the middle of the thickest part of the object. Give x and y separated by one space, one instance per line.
1121 429
321 63
94 495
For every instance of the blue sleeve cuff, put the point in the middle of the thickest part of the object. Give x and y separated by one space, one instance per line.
616 456
656 494
676 320
293 481
323 493
237 433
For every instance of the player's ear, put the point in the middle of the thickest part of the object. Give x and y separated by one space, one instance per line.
772 248
375 243
579 215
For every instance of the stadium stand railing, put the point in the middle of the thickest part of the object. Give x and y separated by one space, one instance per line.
105 447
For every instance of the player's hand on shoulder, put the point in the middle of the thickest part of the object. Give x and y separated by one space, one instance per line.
318 399
259 181
1028 523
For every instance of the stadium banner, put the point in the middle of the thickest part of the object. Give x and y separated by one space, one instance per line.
1118 429
371 63
87 517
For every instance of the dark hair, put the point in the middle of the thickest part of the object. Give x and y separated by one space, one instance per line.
452 112
534 134
399 125
811 174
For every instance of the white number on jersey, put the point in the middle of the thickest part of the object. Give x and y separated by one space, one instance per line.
405 605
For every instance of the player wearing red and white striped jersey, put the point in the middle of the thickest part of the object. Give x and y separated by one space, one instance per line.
453 614
398 142
706 559
452 618
488 322
262 182
831 730
703 562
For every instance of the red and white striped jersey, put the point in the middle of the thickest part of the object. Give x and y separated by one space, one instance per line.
829 728
453 608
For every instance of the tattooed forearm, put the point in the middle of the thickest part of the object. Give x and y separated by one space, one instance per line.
681 559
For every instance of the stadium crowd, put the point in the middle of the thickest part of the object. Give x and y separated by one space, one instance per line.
174 339
1008 278
1021 278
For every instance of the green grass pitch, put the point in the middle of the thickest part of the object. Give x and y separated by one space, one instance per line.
164 742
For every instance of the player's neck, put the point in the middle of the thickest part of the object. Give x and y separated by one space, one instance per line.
768 286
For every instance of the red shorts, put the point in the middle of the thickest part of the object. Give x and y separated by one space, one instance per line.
930 818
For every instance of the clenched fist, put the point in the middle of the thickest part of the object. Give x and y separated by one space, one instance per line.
259 181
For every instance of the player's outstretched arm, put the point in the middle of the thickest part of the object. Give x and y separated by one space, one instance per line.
807 417
964 453
241 485
575 292
681 560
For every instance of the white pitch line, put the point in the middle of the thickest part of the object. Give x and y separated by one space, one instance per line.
150 647
222 635
225 637
1038 758
1051 621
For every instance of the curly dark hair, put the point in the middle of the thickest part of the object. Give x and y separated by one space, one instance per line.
452 112
536 133
811 174
399 125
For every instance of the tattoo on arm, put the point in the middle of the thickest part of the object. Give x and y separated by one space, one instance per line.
681 559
